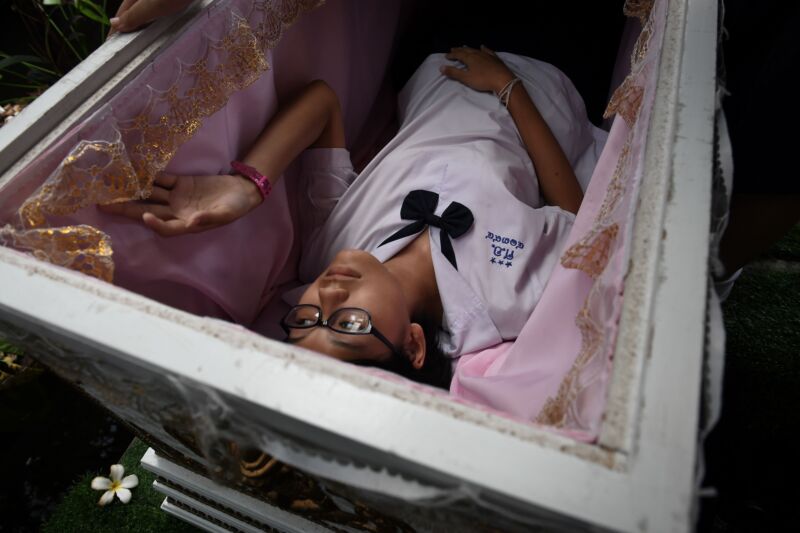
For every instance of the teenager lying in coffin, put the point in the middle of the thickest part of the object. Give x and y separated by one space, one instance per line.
442 245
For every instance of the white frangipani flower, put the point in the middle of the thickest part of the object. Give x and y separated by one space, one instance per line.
116 485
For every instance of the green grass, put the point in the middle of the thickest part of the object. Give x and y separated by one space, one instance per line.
753 449
79 512
763 322
788 248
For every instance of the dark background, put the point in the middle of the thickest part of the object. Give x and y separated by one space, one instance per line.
580 39
24 30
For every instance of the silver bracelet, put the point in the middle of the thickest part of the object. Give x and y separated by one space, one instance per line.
505 93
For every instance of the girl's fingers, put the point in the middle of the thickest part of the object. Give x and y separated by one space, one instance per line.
213 217
165 228
457 54
159 195
126 5
165 180
141 12
454 73
137 210
114 22
201 220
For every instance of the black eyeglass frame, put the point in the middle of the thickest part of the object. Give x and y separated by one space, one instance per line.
371 329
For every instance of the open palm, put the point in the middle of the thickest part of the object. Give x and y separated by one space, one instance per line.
190 204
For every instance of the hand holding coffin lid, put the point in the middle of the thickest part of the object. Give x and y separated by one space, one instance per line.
133 14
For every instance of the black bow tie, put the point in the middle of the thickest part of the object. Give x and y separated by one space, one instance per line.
419 206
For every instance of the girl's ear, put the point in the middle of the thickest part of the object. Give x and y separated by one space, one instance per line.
414 348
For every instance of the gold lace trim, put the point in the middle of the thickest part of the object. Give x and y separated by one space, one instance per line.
179 116
643 41
626 101
556 410
627 98
82 248
616 187
638 8
591 253
108 178
123 169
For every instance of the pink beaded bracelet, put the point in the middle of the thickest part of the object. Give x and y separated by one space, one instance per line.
261 181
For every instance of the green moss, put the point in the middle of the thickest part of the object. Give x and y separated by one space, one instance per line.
788 248
762 318
79 512
7 347
756 447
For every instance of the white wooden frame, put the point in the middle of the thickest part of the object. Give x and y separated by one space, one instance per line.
639 477
234 503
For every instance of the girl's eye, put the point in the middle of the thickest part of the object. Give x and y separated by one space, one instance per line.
349 325
353 323
306 322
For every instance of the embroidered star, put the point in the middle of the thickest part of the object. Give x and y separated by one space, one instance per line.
493 260
508 263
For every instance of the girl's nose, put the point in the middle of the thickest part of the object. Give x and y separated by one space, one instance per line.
332 297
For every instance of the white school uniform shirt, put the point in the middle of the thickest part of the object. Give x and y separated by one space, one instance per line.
464 146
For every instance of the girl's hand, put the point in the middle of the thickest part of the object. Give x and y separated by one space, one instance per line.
133 14
190 204
483 71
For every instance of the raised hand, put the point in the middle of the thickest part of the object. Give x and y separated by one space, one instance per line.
133 14
483 70
190 204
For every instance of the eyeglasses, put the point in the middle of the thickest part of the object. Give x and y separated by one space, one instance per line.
346 320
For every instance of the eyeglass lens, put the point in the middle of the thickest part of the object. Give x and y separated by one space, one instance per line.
345 320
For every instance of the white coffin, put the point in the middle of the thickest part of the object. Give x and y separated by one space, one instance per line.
164 371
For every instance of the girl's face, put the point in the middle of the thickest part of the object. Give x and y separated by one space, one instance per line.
356 279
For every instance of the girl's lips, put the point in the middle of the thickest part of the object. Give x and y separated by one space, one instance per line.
342 271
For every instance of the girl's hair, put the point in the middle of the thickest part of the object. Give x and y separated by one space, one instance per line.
437 369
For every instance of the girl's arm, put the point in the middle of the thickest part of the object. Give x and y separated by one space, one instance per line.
312 119
486 72
189 204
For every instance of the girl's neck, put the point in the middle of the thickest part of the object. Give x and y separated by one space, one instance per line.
413 268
